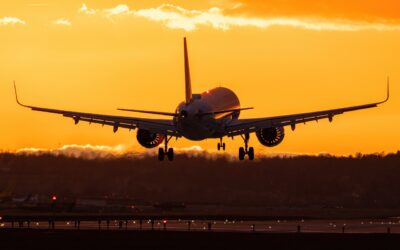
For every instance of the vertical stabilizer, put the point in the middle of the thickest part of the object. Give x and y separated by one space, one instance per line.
188 85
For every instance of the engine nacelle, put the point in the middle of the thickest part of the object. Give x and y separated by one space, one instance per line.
148 139
270 137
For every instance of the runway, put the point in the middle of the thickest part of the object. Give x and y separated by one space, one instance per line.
389 225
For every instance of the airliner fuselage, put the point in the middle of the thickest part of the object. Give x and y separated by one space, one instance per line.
193 124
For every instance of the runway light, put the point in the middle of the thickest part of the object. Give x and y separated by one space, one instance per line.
2 224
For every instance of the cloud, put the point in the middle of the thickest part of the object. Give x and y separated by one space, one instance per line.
102 151
176 17
80 151
62 22
119 9
84 9
237 6
91 152
9 20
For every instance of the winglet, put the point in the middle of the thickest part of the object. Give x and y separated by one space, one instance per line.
387 92
188 85
16 97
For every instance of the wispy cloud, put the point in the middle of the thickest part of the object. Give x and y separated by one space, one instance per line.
73 150
62 22
176 17
102 151
119 9
84 9
9 20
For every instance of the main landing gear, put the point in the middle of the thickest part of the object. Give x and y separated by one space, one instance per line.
246 150
221 145
169 152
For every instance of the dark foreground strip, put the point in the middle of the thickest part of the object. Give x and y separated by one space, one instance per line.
94 239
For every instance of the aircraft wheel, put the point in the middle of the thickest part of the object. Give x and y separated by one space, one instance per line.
161 154
251 153
223 146
242 153
219 146
170 154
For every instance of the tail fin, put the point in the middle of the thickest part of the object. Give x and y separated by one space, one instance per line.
188 85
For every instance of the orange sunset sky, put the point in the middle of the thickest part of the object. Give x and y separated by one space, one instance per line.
281 57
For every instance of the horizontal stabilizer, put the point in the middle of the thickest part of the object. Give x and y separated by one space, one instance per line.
149 112
223 111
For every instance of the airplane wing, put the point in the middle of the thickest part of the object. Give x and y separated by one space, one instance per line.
162 126
242 126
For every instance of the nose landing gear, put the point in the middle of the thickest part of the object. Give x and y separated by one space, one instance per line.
246 150
169 152
221 145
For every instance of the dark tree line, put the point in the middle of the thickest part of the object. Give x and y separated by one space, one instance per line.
370 181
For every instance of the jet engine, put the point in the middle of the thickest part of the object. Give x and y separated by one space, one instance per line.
270 137
148 139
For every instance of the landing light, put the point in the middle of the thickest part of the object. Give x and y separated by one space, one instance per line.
54 198
184 113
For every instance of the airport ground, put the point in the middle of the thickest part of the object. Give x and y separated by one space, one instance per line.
159 239
118 231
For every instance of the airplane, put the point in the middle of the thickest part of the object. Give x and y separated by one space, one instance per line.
211 114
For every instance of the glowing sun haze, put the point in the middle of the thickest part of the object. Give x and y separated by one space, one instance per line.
281 57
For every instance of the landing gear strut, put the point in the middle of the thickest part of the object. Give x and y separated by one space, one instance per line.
169 152
221 145
246 150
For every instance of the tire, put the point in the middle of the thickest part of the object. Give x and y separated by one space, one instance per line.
241 153
251 153
161 154
170 154
223 146
219 146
